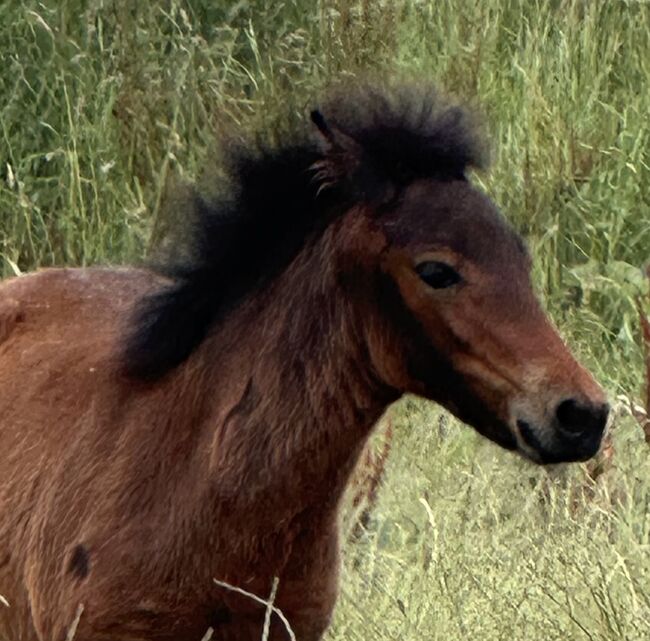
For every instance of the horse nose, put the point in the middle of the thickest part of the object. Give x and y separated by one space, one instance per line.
581 419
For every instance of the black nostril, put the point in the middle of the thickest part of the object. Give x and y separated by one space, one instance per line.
577 418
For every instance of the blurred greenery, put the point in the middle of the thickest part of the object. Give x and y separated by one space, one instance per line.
110 107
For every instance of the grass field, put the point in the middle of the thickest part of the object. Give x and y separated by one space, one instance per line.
110 108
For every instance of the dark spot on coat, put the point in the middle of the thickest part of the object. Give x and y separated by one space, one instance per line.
79 565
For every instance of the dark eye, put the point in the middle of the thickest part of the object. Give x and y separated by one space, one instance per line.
437 275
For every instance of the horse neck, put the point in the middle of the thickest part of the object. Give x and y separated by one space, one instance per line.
305 396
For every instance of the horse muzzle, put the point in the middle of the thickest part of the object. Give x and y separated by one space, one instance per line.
574 432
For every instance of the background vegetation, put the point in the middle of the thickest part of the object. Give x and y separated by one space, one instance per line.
110 107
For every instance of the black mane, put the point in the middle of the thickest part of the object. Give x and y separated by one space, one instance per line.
280 198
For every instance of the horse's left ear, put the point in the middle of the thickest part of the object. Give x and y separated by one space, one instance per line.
345 163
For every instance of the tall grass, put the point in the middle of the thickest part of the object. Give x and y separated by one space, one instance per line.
110 107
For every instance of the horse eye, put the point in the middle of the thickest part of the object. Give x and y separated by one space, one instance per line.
437 275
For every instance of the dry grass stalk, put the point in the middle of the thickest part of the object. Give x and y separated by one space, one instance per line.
72 630
208 635
268 603
269 610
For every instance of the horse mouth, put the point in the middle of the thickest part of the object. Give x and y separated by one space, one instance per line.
534 449
557 448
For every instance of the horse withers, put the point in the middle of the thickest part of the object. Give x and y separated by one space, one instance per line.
163 429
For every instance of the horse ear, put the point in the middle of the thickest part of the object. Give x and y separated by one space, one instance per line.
342 155
345 163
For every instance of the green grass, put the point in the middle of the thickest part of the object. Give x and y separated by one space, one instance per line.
111 107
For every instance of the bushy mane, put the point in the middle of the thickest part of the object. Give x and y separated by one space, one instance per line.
367 145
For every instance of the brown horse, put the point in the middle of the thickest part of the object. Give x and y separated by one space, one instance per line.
163 429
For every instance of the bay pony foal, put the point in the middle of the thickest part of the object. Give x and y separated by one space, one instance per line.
161 430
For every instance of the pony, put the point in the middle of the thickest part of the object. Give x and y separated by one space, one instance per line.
164 428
